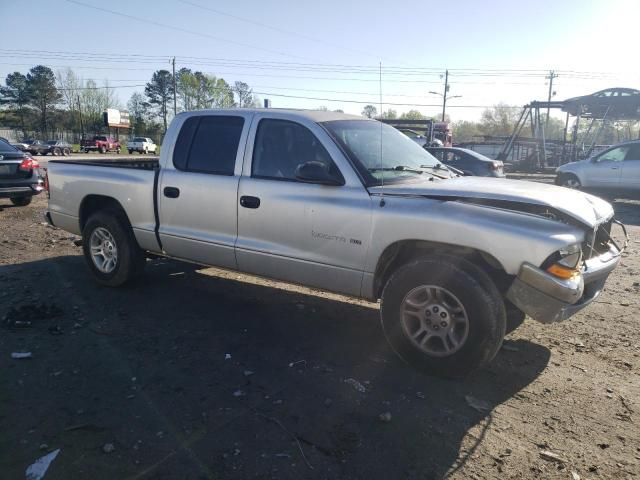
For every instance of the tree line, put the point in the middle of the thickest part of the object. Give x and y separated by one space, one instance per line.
43 103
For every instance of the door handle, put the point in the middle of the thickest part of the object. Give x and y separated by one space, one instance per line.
249 202
171 192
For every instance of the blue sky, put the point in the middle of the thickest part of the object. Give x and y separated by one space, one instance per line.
414 40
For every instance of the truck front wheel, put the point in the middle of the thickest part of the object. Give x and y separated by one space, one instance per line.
443 315
103 149
110 249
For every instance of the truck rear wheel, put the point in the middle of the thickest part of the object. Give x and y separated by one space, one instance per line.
110 248
443 315
103 149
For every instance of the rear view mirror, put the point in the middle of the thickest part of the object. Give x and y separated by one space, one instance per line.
317 172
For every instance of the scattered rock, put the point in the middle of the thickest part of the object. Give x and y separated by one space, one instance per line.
108 448
356 385
477 404
385 417
227 356
55 330
44 446
248 373
574 475
420 395
239 393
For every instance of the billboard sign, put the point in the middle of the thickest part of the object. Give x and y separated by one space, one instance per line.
116 118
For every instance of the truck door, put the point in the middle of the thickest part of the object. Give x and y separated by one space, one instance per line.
198 187
306 233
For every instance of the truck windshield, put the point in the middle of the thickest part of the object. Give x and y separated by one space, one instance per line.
383 154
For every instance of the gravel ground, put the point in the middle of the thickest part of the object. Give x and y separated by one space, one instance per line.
196 373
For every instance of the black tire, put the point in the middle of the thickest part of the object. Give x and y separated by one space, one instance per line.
569 180
130 260
130 152
145 151
66 152
21 201
103 149
56 152
478 295
118 150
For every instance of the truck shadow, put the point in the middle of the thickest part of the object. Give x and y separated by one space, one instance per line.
627 211
194 375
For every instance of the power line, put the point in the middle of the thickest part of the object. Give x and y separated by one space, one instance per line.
277 29
180 29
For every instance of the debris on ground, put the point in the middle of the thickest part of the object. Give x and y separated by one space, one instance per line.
575 476
37 470
477 404
356 385
25 316
227 356
292 364
248 373
239 393
385 417
21 355
108 448
553 457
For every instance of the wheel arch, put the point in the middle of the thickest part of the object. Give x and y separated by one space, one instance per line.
95 203
404 251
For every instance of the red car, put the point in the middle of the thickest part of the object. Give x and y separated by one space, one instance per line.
100 143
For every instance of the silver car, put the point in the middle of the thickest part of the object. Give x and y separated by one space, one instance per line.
614 169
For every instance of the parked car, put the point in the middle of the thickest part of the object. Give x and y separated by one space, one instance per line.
142 145
37 147
468 161
614 169
59 147
415 136
20 176
306 197
22 146
100 143
613 102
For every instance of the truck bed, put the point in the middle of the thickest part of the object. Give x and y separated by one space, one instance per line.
131 182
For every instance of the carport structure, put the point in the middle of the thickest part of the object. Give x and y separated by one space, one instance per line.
542 152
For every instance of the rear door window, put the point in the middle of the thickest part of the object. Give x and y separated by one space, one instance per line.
633 153
208 144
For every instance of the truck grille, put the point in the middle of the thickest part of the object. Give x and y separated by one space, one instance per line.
599 242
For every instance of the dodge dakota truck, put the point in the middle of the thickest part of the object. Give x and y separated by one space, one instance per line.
349 205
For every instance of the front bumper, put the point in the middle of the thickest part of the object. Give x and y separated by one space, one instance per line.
549 299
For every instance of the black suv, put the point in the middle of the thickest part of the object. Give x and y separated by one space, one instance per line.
19 175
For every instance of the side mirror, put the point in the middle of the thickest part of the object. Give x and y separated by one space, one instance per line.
317 172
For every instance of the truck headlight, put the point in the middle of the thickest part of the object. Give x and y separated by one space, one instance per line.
568 261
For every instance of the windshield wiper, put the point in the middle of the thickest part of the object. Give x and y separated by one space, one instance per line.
397 168
439 166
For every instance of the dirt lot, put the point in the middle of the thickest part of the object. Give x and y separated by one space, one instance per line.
195 373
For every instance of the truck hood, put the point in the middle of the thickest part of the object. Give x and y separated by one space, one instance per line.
514 195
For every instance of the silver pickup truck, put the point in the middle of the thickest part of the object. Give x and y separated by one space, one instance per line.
350 205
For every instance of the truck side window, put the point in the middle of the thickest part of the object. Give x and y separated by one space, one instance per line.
208 144
281 146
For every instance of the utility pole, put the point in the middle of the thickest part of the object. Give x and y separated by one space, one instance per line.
80 114
446 89
175 102
552 75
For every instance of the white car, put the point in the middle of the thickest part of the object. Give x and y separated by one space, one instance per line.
142 145
616 168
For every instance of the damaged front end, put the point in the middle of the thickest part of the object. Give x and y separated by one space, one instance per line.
552 295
